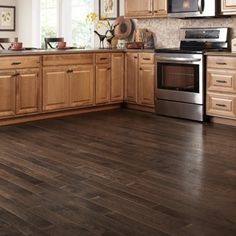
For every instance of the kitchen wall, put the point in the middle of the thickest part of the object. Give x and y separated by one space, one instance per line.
167 30
8 34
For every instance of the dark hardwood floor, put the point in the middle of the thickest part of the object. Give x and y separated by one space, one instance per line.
117 173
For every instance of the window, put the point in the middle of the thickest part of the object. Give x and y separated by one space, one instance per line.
48 19
81 31
67 18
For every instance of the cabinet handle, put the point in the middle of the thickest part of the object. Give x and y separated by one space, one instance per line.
109 68
135 57
16 74
15 63
146 59
221 63
150 11
221 81
70 71
141 68
155 11
221 105
103 58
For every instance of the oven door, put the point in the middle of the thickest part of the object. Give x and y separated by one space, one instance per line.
191 8
180 77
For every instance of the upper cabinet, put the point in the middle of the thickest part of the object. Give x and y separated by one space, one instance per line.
228 7
145 8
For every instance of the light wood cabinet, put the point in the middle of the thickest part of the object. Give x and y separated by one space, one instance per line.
131 77
145 8
103 77
7 93
221 87
55 88
117 77
228 7
70 84
160 8
81 85
28 94
146 85
109 86
20 80
139 80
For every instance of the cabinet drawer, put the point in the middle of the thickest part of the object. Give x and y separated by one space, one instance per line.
221 105
146 58
221 62
221 80
68 59
102 58
19 62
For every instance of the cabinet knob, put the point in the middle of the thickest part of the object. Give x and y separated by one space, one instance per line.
155 11
141 68
109 68
70 71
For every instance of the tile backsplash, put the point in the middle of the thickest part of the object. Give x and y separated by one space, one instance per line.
167 29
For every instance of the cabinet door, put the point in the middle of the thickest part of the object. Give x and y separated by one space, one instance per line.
28 91
131 77
81 85
7 93
103 76
138 8
117 77
146 85
55 88
228 6
160 8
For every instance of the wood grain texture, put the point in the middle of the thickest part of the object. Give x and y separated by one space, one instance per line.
117 173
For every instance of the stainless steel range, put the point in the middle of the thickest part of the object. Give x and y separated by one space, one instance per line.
180 75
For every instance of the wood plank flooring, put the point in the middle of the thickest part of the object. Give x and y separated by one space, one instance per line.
117 173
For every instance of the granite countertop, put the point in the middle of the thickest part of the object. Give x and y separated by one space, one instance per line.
66 51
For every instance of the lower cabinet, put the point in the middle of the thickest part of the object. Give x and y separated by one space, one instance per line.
221 87
109 78
103 77
146 85
28 91
19 92
81 90
7 93
117 77
131 77
55 88
139 79
67 87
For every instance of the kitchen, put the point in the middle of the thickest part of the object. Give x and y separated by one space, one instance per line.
83 151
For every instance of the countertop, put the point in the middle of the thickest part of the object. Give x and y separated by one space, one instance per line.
66 51
221 53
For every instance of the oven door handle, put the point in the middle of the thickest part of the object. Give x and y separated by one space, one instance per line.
177 60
